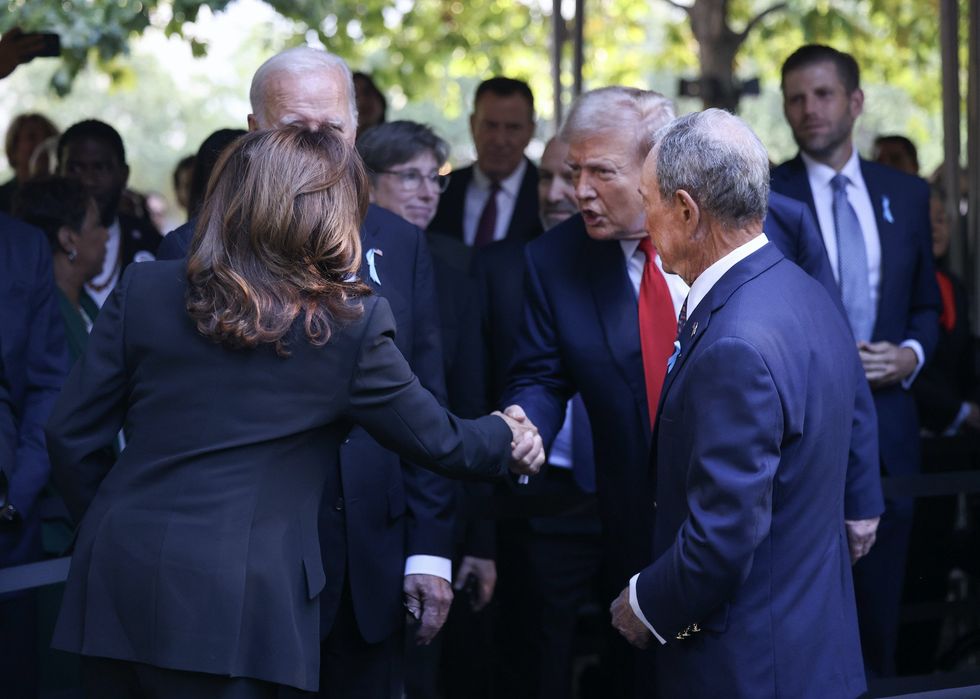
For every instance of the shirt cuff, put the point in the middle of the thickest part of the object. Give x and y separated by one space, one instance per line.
957 422
920 356
420 564
635 604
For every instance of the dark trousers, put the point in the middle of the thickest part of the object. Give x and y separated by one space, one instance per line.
105 678
352 668
878 582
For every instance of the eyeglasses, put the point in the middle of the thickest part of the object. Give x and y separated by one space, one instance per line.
411 180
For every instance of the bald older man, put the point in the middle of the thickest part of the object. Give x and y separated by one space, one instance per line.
601 317
386 529
749 590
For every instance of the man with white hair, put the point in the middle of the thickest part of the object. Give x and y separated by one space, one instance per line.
601 319
750 590
386 527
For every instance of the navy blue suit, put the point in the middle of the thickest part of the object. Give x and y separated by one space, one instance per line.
750 457
581 334
525 223
8 431
908 308
389 509
35 363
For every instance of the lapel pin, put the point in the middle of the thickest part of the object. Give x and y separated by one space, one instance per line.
372 269
694 328
886 210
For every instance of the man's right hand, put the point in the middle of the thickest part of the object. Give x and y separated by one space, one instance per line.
527 448
861 535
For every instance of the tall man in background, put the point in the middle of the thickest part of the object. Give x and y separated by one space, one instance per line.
874 223
495 197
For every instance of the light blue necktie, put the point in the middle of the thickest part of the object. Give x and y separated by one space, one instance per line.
852 263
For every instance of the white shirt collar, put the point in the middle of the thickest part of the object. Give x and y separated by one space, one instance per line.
510 185
709 277
821 174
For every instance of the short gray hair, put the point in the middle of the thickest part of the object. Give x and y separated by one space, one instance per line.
299 61
621 110
397 142
717 159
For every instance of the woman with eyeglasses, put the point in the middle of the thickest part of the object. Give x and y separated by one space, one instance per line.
403 159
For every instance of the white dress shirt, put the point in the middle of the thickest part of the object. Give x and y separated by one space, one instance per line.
106 279
477 194
820 176
699 289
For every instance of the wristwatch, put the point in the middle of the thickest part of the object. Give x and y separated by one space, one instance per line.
9 514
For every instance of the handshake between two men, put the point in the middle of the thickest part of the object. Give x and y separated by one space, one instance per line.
527 449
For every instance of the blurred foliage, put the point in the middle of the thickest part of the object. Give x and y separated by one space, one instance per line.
428 56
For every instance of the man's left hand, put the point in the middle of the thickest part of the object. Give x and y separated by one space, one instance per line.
886 364
427 598
627 623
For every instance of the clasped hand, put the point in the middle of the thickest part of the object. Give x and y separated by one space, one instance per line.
527 450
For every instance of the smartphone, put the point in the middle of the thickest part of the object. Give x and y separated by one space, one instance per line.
50 46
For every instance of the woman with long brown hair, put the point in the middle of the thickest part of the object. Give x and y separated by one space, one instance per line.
197 565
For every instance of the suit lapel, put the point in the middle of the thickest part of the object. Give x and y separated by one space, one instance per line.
527 200
617 311
697 323
797 184
369 241
885 226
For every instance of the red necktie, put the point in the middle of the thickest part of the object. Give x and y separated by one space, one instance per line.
487 225
658 326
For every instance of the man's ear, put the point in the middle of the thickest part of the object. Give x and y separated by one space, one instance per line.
253 123
125 170
857 103
688 209
473 125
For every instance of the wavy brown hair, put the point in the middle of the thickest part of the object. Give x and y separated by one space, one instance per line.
278 237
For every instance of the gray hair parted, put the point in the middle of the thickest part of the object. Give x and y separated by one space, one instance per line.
621 110
299 61
397 142
716 158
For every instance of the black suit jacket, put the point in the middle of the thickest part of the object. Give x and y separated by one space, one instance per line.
140 240
393 509
525 224
198 549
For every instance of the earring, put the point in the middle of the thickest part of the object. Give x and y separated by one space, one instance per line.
72 254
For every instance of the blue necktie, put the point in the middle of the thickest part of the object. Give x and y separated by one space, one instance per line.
681 322
852 263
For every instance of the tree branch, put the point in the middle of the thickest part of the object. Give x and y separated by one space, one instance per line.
758 18
686 8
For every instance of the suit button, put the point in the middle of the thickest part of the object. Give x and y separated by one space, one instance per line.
347 441
654 504
339 505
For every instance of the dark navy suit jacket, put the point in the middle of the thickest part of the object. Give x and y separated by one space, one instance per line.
35 360
580 334
524 223
198 548
391 509
908 302
8 433
750 459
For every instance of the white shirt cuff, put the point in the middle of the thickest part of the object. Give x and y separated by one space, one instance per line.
420 564
957 422
920 356
635 604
